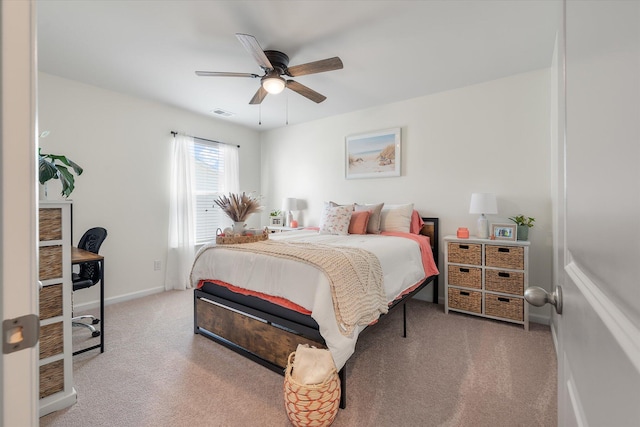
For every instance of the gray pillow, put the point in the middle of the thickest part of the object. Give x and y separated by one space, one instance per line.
373 227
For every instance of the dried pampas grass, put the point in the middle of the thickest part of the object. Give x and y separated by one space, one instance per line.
238 207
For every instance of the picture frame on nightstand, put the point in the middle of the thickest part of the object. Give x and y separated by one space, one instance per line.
503 232
276 221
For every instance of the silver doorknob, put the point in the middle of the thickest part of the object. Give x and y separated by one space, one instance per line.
539 297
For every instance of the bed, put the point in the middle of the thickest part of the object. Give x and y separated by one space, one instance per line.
266 327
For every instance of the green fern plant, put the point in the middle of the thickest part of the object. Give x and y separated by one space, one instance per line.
523 220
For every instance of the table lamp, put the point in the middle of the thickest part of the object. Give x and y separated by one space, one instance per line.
483 203
289 204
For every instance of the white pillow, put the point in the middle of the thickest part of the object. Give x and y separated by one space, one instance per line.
396 218
335 219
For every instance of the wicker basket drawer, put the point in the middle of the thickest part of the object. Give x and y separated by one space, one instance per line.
467 277
51 301
464 253
500 306
504 256
51 340
51 378
50 221
509 282
50 262
465 300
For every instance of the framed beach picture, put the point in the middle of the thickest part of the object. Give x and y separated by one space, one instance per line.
373 155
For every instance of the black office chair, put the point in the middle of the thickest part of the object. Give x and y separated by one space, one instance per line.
89 274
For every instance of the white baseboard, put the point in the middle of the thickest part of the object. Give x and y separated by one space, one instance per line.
120 298
539 318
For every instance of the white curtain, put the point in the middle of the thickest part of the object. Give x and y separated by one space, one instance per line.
181 216
231 181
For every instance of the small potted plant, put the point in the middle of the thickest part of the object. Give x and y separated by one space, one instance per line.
524 223
54 166
275 218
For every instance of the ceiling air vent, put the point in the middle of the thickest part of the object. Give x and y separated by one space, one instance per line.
221 112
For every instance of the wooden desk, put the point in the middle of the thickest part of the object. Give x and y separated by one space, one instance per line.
79 256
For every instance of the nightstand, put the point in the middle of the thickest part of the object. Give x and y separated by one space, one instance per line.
283 229
487 278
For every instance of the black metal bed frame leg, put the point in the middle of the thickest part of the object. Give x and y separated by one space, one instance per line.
343 386
404 320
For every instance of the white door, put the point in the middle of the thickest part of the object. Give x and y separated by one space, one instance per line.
18 295
598 240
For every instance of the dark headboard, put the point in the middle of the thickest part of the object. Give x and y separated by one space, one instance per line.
431 229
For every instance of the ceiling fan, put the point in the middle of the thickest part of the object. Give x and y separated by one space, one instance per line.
275 64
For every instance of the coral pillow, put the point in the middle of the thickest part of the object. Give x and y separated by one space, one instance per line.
335 220
359 221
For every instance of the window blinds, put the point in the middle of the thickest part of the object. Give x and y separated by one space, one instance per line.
209 173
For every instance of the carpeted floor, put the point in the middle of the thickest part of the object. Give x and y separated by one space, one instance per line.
452 370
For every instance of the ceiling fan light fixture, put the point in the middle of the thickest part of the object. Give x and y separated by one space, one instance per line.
273 84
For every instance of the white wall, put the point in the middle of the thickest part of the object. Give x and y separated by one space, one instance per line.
489 137
124 145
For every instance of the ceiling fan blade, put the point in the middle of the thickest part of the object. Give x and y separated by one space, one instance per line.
321 66
251 45
224 74
305 91
259 96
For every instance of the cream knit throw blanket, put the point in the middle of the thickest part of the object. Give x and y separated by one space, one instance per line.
354 274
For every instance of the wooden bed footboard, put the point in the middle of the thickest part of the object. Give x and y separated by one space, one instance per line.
267 340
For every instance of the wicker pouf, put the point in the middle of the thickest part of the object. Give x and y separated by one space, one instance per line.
311 404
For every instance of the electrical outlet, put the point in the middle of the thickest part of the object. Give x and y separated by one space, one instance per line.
156 265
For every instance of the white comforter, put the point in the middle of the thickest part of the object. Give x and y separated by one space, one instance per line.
306 285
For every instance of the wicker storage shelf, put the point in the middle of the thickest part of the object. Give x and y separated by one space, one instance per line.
465 300
487 278
509 282
55 352
468 277
464 253
504 257
505 307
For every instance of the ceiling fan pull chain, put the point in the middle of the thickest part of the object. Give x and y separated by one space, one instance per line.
287 109
259 114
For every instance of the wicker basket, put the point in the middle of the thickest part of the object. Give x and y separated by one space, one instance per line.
465 253
504 257
501 306
234 240
467 277
461 299
311 404
509 282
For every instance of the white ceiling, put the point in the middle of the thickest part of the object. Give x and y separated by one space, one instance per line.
391 50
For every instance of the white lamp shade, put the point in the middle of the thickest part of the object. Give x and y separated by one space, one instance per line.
483 203
290 204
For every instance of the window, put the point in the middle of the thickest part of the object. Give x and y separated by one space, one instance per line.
209 171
